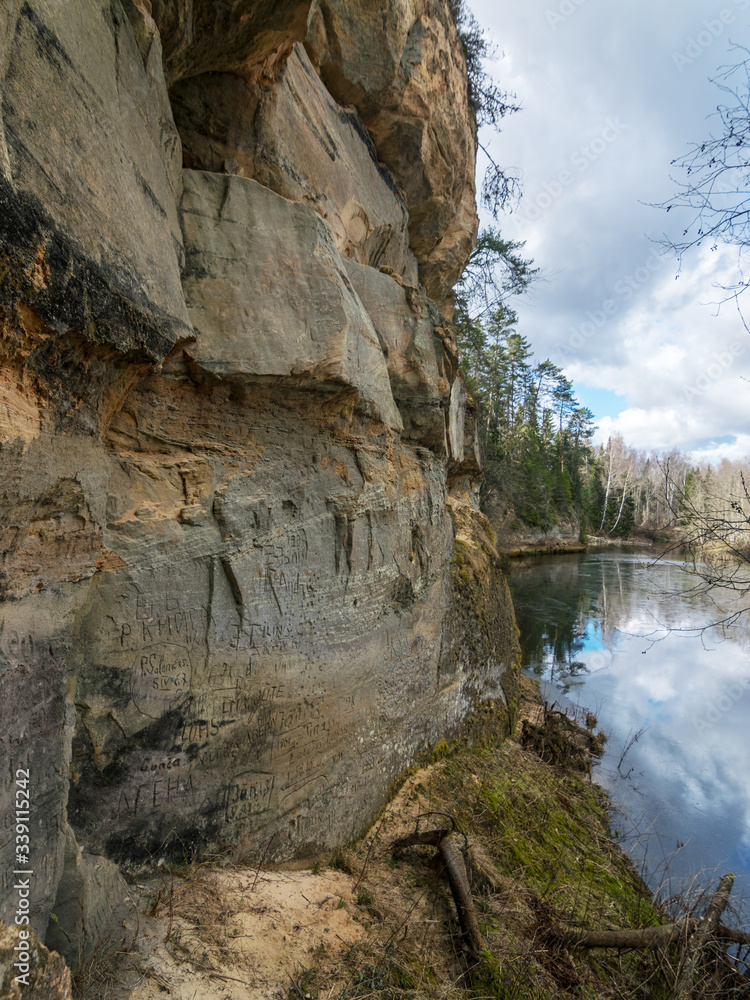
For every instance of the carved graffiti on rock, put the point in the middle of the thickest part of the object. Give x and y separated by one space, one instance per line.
160 678
247 795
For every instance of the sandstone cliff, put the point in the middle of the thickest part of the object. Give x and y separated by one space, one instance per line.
233 442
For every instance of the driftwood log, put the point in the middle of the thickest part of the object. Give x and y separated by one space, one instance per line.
452 855
649 937
691 932
665 934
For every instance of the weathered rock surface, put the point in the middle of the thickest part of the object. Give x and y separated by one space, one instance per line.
91 178
90 897
253 676
419 359
235 455
289 134
411 92
401 68
302 319
28 971
226 36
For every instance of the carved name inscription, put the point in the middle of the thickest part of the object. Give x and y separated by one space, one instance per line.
281 685
161 677
248 795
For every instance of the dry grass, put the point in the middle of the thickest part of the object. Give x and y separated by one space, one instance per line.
98 975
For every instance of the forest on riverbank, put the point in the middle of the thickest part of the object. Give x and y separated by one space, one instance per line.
542 470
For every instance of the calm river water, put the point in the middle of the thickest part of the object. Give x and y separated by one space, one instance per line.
595 628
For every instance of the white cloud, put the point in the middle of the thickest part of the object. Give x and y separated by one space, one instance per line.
610 309
736 451
679 365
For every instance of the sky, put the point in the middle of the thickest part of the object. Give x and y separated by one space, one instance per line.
611 93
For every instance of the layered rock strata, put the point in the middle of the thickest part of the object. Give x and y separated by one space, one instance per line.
234 445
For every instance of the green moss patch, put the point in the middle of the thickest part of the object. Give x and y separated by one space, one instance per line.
541 861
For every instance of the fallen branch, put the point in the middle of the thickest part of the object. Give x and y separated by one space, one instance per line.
450 850
692 932
649 937
430 838
560 741
452 855
730 934
703 933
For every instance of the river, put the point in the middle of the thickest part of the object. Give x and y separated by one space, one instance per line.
598 630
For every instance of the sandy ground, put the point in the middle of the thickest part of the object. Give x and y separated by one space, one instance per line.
239 934
236 933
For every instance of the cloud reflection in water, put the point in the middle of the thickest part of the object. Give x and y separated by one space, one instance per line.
598 626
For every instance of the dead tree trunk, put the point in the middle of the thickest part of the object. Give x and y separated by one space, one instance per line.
649 937
692 932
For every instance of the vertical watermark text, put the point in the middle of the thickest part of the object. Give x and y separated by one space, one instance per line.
23 874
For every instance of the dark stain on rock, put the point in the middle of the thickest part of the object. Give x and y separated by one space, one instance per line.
79 295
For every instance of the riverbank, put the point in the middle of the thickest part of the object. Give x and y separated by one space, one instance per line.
612 630
663 540
543 547
514 539
378 922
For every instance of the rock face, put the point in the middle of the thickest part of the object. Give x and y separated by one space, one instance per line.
28 971
289 134
401 67
411 93
304 319
236 454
